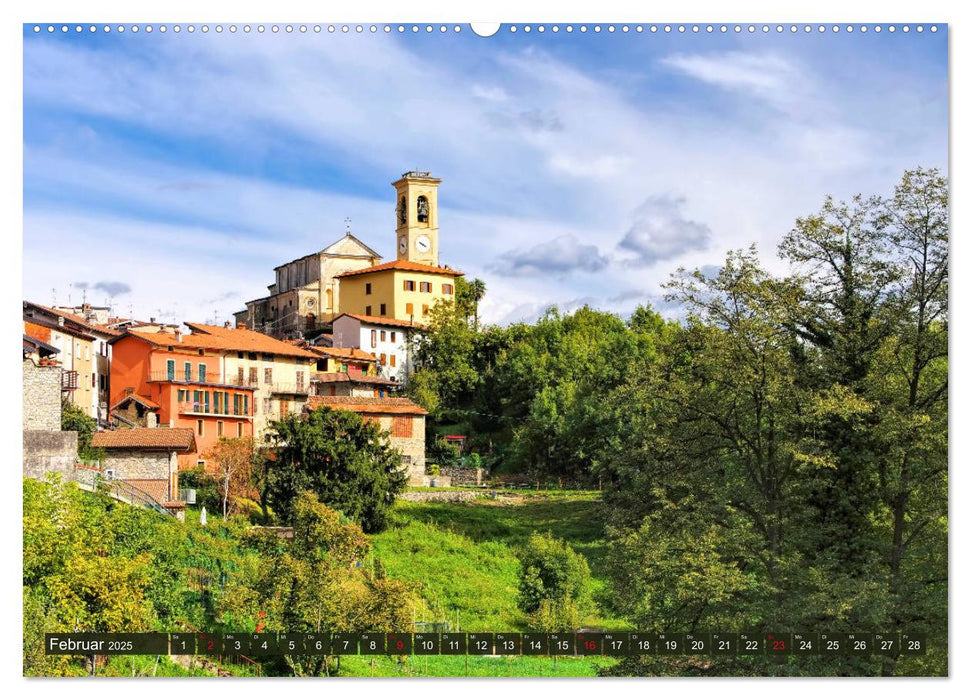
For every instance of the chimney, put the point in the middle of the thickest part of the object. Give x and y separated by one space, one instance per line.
178 336
60 320
151 319
226 324
129 390
241 325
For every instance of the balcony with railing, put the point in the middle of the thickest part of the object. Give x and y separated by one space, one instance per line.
69 380
200 408
208 378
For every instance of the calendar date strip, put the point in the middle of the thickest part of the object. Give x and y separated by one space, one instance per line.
488 644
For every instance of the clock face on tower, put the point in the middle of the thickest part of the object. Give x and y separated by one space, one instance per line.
403 245
422 244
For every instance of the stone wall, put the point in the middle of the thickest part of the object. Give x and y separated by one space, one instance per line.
464 474
412 454
137 464
42 397
439 496
48 451
412 448
429 480
138 415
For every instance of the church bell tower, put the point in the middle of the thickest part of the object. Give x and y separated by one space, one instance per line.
417 217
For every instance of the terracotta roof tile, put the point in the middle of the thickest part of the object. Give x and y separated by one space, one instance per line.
104 330
355 354
219 338
37 344
156 488
330 377
383 405
138 398
179 439
384 321
405 265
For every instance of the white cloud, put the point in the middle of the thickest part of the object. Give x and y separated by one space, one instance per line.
660 231
560 256
770 77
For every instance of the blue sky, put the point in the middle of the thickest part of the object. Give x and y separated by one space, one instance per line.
171 173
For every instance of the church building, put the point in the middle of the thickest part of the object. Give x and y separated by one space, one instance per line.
348 278
305 297
407 288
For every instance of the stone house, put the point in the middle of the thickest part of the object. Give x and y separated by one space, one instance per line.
135 411
350 384
402 418
147 458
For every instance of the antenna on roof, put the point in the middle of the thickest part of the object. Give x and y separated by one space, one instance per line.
53 296
347 224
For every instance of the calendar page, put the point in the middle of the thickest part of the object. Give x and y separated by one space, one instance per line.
426 349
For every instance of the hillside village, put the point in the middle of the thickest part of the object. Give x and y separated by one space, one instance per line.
338 329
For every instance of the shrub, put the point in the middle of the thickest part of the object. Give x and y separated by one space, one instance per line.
555 616
552 571
73 418
206 486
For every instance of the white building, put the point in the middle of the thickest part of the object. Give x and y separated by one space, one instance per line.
389 340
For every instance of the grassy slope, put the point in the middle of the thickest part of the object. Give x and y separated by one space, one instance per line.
463 558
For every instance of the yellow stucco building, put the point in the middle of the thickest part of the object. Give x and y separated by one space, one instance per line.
408 287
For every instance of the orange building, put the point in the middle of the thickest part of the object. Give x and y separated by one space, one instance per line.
186 382
221 382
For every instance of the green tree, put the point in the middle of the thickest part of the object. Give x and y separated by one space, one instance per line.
785 460
551 570
74 418
468 294
319 582
549 384
338 456
445 356
70 562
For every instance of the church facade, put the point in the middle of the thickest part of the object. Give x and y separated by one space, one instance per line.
305 297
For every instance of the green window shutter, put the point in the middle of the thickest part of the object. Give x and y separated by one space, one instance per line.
188 371
170 370
206 396
245 404
202 372
195 400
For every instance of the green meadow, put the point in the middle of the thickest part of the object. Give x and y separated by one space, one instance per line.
462 557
